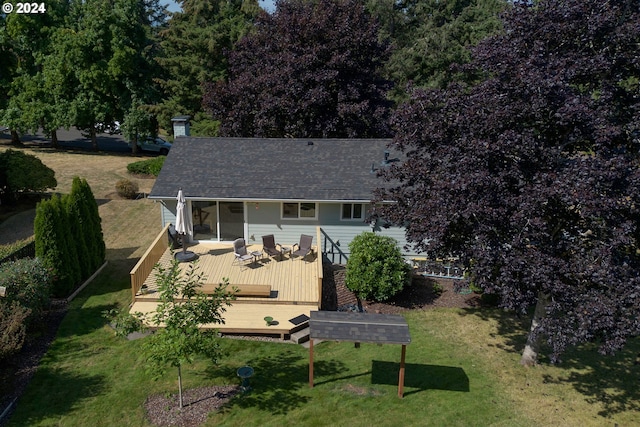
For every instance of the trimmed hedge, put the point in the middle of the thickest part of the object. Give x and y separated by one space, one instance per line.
147 167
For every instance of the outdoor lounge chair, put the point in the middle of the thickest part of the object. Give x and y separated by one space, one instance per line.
270 247
304 247
240 252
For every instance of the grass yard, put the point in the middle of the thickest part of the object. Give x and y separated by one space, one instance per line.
462 365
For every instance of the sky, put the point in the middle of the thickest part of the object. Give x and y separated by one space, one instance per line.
268 5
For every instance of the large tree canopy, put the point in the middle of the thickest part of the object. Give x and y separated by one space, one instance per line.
430 36
531 176
312 69
192 51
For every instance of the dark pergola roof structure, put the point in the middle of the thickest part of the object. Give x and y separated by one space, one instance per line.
359 327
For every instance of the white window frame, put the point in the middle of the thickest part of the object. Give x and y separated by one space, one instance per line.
298 218
363 212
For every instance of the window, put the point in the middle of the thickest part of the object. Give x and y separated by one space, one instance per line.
352 211
299 210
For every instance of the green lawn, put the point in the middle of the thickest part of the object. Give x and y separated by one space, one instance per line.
462 370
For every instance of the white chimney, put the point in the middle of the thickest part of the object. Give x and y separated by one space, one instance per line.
180 126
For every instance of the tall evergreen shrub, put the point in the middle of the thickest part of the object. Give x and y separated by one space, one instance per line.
81 225
95 243
52 245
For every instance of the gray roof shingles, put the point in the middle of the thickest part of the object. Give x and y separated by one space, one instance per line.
272 169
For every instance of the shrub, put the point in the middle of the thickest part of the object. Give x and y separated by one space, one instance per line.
375 269
147 167
21 173
12 328
28 283
127 189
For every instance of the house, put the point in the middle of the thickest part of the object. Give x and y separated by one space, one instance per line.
251 187
248 188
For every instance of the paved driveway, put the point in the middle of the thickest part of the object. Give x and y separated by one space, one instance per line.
74 139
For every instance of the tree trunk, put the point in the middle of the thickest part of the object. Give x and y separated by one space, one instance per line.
94 139
134 146
180 386
532 348
54 139
15 139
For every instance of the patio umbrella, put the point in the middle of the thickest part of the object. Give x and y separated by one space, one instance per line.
183 227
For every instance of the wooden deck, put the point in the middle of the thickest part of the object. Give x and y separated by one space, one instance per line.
295 288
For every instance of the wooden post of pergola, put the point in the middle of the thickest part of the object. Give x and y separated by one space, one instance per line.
359 327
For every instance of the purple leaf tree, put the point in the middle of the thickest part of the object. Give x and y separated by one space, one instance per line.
531 176
311 69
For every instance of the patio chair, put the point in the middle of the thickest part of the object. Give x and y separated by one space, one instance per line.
175 240
270 247
240 253
304 247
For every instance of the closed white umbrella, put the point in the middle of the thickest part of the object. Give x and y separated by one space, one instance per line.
183 227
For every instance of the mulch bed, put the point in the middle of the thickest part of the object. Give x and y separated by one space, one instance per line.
163 410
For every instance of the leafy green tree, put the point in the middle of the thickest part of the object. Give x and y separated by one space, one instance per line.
432 36
192 53
181 312
21 173
311 69
8 67
36 92
375 269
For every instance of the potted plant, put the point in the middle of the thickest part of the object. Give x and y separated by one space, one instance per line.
269 320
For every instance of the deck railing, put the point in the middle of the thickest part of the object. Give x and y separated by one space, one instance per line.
145 264
330 249
320 259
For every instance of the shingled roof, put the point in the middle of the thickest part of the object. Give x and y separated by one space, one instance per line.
272 169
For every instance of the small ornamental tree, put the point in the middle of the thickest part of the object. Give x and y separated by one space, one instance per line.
375 269
182 310
21 173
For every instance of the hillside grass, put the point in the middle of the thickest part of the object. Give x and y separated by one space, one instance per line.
462 365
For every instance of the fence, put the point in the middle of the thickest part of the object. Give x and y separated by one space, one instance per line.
27 251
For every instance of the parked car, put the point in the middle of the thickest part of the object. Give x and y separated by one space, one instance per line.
156 145
110 128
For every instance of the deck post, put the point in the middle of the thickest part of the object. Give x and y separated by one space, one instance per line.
401 375
311 363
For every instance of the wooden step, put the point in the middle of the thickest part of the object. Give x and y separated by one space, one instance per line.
300 336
